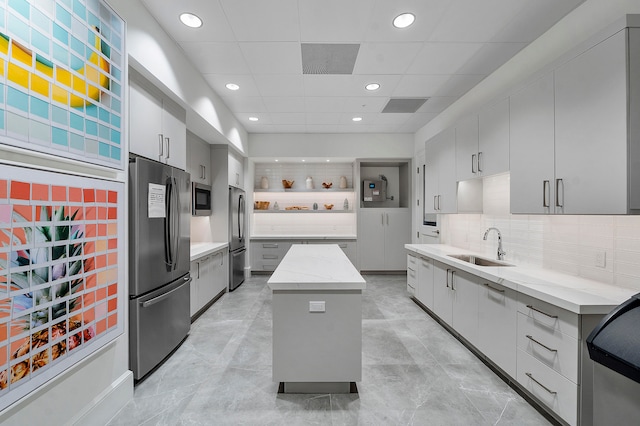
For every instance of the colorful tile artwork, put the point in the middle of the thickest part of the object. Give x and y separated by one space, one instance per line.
61 273
61 79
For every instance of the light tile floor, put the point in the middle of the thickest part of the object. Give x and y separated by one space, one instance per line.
414 372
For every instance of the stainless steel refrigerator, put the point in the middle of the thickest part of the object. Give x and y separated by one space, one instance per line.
159 221
237 249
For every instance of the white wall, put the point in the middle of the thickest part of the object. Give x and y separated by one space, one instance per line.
160 59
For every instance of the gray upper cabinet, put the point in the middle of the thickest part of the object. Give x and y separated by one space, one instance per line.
532 148
440 195
199 156
466 137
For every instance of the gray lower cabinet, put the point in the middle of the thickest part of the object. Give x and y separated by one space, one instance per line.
209 277
266 254
539 346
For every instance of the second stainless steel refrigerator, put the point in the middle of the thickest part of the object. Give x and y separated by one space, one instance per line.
237 249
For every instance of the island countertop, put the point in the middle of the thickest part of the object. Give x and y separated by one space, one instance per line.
316 267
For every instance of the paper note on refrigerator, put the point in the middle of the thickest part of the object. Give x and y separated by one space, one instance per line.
156 200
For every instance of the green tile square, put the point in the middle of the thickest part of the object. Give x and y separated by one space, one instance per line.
39 132
18 125
76 141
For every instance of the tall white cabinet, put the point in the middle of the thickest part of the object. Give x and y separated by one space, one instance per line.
440 195
384 232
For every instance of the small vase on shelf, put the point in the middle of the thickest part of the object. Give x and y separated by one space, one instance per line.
309 182
345 206
343 182
264 183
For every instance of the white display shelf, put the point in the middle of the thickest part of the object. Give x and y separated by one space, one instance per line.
303 190
302 211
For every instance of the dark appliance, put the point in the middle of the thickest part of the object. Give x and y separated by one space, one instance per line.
200 199
237 249
159 221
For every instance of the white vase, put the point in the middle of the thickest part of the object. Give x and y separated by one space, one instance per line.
343 182
309 182
264 183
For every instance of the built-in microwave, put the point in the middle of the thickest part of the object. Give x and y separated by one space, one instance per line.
200 199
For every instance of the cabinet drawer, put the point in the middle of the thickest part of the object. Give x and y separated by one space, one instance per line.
549 316
547 386
412 280
552 348
412 261
265 266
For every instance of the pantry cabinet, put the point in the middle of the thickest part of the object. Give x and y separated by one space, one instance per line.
158 130
383 234
199 154
440 195
236 170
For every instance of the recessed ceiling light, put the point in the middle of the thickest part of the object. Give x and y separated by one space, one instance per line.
191 20
357 119
328 161
277 160
253 118
232 86
404 20
303 160
372 86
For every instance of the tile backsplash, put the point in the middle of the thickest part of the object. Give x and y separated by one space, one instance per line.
601 248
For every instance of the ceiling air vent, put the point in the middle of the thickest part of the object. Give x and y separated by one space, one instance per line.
320 58
405 105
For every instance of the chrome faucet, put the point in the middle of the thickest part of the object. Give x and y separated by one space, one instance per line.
501 252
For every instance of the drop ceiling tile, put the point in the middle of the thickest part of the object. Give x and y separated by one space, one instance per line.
245 104
348 85
476 21
428 14
279 84
443 58
214 22
345 104
385 58
288 118
419 85
369 119
490 57
333 20
284 104
458 85
247 85
324 118
284 128
273 58
436 104
216 58
260 20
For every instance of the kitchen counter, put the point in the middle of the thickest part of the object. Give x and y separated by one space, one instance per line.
575 294
303 237
202 249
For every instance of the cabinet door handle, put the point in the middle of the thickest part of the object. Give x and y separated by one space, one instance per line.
448 270
439 207
541 344
382 219
480 162
533 308
168 147
160 144
559 200
473 164
198 263
452 275
273 245
545 193
490 287
540 384
434 202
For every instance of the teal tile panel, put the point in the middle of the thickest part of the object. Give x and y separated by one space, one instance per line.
115 153
67 3
59 115
103 115
116 89
91 127
78 46
61 54
2 119
39 107
92 110
76 62
17 99
40 41
104 150
104 132
106 31
115 136
115 72
116 105
20 6
76 141
2 87
79 10
60 34
63 16
60 136
19 29
2 18
93 20
76 122
115 121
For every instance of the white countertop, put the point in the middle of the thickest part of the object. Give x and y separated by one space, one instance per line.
199 250
303 237
316 267
575 294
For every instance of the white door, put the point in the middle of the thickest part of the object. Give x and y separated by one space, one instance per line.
431 190
447 183
465 305
442 294
591 130
424 286
397 226
174 131
371 239
145 129
532 148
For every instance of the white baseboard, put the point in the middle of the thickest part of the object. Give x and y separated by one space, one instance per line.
108 403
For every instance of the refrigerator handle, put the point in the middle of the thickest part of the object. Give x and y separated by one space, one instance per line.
168 223
241 217
176 230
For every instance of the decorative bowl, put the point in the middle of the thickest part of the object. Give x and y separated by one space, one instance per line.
328 206
327 185
287 183
261 205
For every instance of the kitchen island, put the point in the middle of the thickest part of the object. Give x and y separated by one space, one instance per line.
317 320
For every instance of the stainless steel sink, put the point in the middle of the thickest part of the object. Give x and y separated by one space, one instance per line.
480 261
